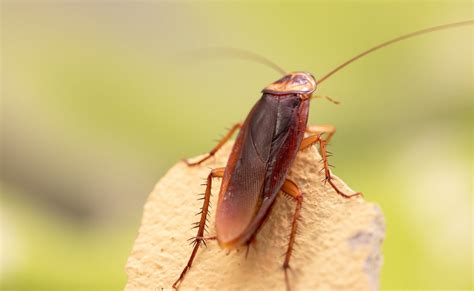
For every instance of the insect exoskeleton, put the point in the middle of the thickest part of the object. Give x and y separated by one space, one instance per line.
266 146
292 83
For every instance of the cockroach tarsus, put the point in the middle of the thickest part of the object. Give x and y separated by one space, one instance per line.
265 148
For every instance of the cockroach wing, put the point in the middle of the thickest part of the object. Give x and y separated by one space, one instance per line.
245 172
255 170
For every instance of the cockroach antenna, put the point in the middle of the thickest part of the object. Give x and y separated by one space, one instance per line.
240 54
392 41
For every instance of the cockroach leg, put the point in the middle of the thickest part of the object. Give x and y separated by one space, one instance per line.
252 242
327 98
328 129
199 238
327 172
247 251
319 130
292 190
213 237
217 147
202 238
309 141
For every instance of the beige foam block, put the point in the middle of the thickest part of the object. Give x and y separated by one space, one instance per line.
338 245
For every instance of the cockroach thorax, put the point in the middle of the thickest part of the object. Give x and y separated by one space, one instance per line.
292 83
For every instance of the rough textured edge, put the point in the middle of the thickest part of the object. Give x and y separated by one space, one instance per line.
338 246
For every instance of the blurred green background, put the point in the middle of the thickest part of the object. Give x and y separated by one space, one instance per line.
99 99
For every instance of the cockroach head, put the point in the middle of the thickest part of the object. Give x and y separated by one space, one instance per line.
292 83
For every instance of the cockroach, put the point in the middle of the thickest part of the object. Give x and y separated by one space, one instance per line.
266 146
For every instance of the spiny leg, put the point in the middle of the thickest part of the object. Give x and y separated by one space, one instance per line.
327 172
203 238
201 225
217 147
291 189
317 138
317 131
328 129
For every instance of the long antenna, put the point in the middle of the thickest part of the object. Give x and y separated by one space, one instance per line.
241 54
397 39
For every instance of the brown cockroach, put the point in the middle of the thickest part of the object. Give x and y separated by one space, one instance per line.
266 146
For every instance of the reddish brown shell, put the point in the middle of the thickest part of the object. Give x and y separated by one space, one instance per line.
261 157
293 83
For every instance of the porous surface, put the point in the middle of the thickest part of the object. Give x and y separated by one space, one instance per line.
338 245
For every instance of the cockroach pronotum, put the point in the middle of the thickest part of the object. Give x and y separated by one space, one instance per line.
266 146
